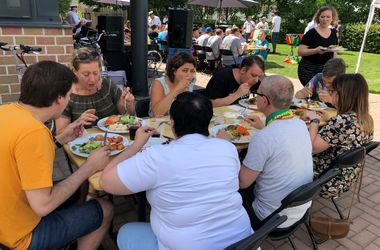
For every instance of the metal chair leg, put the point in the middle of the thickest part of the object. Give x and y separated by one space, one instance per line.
292 243
337 208
313 242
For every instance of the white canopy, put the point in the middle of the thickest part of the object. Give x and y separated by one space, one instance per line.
375 4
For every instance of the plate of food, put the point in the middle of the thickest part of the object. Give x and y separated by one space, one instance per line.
248 103
313 105
300 113
334 48
239 134
84 145
119 123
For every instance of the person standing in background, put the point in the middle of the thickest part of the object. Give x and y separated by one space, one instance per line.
153 19
248 26
276 23
73 19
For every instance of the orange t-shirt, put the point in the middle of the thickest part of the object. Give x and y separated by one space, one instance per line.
26 163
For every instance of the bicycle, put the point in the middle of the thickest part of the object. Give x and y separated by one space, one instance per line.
154 58
19 57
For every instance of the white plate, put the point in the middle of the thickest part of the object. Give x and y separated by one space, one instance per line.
214 131
154 141
301 103
104 128
245 104
338 49
85 138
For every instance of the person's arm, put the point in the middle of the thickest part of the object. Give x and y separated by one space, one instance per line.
45 200
161 102
110 180
318 144
304 50
247 176
126 102
243 89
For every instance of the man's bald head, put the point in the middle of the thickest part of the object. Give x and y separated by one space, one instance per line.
279 90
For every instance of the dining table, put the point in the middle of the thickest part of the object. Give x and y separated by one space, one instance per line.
163 126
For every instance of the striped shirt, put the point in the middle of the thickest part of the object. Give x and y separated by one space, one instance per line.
104 102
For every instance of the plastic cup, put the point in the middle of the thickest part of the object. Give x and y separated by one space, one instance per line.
132 132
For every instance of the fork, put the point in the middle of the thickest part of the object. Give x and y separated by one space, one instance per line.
242 113
105 138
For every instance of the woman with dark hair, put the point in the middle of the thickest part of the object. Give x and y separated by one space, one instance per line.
180 73
93 97
350 128
314 43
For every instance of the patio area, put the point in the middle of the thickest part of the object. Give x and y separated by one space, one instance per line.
365 230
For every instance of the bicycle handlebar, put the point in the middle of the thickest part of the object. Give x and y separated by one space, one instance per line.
23 48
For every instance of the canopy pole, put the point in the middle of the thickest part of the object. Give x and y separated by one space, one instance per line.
368 25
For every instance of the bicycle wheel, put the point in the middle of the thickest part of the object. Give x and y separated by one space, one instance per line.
154 60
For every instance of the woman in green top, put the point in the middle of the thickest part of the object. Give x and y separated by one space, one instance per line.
93 97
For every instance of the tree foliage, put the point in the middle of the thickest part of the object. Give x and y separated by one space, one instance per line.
63 7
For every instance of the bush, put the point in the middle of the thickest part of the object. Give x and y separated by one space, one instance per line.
353 36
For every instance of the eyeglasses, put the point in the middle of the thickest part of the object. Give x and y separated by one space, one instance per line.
88 55
262 95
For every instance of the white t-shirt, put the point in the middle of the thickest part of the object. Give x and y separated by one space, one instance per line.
249 26
192 186
277 22
281 152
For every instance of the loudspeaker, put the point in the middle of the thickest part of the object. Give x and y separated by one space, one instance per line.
113 25
180 27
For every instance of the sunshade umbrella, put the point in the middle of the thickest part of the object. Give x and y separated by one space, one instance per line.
224 3
116 2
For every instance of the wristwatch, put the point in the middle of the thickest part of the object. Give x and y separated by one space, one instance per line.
316 121
59 145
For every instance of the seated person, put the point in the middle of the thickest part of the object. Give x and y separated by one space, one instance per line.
317 87
215 42
229 85
191 184
153 32
127 37
279 155
179 77
93 97
232 42
262 42
352 127
30 212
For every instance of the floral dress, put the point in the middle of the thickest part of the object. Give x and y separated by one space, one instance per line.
342 133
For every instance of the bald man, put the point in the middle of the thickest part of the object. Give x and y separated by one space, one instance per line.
279 157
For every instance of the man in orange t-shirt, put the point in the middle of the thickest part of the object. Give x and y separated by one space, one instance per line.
29 218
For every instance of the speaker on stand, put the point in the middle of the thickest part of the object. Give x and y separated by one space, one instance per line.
112 25
180 28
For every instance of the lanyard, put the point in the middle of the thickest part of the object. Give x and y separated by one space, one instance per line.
281 114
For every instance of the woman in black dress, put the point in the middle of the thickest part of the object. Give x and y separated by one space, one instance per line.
314 43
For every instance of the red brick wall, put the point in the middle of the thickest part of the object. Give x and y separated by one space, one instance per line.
56 44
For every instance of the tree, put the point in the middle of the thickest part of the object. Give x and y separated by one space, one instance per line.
63 7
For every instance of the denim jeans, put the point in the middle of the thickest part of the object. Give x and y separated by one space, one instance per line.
62 226
136 236
274 40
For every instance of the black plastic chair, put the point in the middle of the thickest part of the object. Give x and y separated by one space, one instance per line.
371 146
227 52
216 63
255 240
299 196
347 159
201 56
142 107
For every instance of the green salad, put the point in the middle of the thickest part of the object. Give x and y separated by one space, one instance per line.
127 119
88 147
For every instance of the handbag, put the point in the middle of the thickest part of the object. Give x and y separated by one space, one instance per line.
332 228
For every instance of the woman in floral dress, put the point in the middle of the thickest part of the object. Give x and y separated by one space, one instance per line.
352 127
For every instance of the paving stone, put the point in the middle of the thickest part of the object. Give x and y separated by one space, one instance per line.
364 238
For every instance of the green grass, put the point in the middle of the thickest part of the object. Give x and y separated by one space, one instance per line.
369 67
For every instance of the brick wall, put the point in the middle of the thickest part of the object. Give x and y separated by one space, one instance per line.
56 44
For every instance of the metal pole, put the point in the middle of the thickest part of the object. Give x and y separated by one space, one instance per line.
139 10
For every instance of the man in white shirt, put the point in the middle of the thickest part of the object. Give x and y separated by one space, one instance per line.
191 184
232 42
279 157
263 24
276 23
153 19
248 26
73 19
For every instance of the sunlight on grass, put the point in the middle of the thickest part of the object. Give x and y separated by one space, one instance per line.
369 67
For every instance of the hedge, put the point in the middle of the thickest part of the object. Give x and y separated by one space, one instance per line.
353 36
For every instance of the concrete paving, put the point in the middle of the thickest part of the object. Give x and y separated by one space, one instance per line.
365 230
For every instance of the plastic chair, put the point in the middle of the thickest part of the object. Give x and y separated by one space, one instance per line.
255 240
142 107
347 159
227 52
299 196
213 63
371 146
201 56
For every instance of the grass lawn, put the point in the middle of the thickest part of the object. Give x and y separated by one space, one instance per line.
369 67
